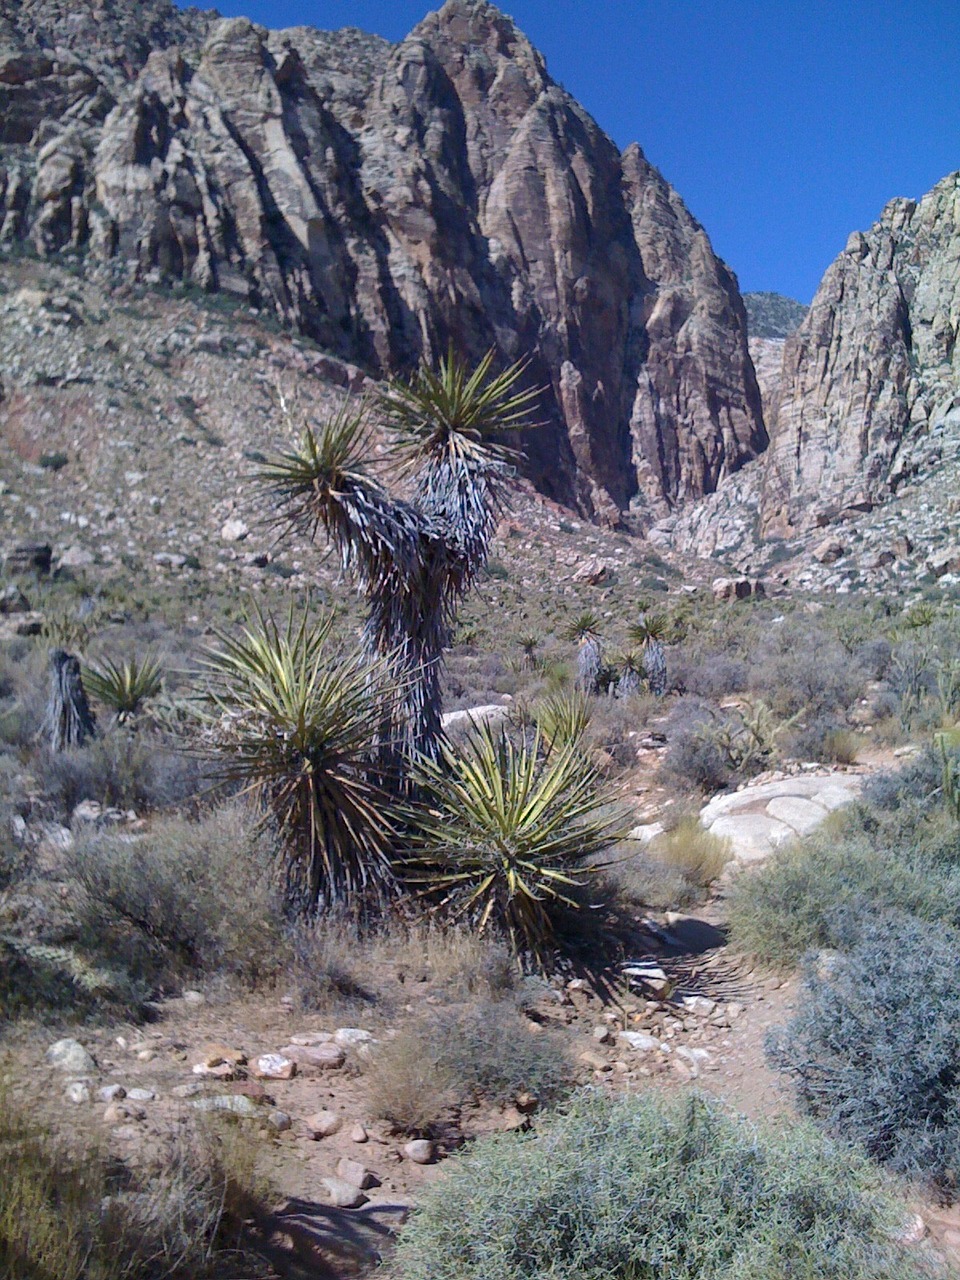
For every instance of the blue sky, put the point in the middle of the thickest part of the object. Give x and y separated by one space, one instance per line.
784 124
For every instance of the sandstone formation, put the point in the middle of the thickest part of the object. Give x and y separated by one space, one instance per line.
386 200
869 394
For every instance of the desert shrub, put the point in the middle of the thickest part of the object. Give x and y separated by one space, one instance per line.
455 960
188 898
873 657
121 769
695 757
710 675
874 1053
825 737
788 906
806 673
644 880
69 1211
917 780
482 1052
699 856
654 1188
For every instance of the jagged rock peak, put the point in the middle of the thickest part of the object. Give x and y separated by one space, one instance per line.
386 200
870 393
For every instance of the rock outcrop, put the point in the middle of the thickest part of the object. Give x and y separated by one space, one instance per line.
871 381
387 200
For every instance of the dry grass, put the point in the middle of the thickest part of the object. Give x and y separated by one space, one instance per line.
699 856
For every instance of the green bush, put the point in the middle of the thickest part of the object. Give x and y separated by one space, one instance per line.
189 898
645 1188
787 907
874 1052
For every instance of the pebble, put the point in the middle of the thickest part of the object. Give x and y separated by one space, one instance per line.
357 1174
235 1104
274 1066
194 997
602 1035
640 1041
305 1039
215 1055
322 1124
279 1121
359 1134
70 1055
344 1195
111 1092
350 1037
78 1092
141 1095
420 1151
312 1059
118 1112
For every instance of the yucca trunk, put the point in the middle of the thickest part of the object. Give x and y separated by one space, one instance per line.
655 667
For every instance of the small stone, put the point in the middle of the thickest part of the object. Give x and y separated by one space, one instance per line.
639 1041
141 1095
78 1092
234 531
314 1058
307 1038
274 1066
350 1037
236 1104
194 997
357 1174
214 1055
594 1061
191 1090
111 1093
120 1112
344 1195
146 1055
279 1121
359 1134
70 1055
322 1124
223 1071
420 1151
602 1035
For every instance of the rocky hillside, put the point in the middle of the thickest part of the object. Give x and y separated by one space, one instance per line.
385 200
869 394
773 315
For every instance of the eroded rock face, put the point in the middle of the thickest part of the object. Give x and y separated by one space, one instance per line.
386 200
871 376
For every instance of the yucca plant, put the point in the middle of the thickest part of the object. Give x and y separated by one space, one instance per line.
124 686
504 834
562 718
632 668
585 630
294 726
650 633
413 560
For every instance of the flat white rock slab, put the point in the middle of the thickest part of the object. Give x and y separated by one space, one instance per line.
761 819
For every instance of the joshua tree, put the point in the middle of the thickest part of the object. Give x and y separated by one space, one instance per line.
415 558
585 630
632 667
650 632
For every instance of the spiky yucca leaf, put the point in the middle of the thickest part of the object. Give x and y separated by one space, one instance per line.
124 686
448 416
505 831
295 728
585 626
562 718
654 625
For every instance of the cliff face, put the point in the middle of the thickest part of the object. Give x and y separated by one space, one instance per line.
386 200
872 374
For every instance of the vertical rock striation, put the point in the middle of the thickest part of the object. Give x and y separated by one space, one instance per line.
387 200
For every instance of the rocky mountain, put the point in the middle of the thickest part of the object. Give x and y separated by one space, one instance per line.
384 201
773 315
870 389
